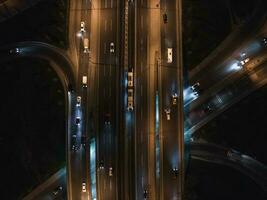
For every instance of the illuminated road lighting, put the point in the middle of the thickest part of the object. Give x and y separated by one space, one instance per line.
235 66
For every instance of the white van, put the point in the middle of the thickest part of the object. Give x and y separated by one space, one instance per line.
169 58
86 45
84 81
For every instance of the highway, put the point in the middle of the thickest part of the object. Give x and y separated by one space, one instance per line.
235 86
170 141
107 72
142 114
152 162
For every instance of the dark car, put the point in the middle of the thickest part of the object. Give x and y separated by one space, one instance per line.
145 194
78 120
107 118
83 140
101 164
175 172
165 18
57 191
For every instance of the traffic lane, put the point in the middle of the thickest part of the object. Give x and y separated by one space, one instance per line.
142 133
110 25
222 99
50 188
228 66
74 30
169 134
248 68
140 106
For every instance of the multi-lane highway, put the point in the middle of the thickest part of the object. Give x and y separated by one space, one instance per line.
101 127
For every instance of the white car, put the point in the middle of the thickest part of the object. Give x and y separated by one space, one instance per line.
242 62
174 99
168 113
82 26
169 58
79 99
84 187
112 47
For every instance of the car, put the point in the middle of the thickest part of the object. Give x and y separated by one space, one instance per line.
145 194
243 62
101 165
234 155
78 121
85 45
79 99
174 99
15 50
82 26
110 171
107 117
83 141
196 89
169 57
168 113
83 187
112 47
208 108
165 18
57 190
264 41
74 147
175 172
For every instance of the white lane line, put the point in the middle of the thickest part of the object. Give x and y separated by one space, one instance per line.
105 47
141 66
111 24
105 25
106 4
141 90
109 70
104 71
142 21
111 3
109 91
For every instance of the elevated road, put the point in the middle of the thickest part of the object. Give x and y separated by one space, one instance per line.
243 163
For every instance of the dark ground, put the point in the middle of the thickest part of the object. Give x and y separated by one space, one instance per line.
45 22
32 137
207 181
207 23
241 127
